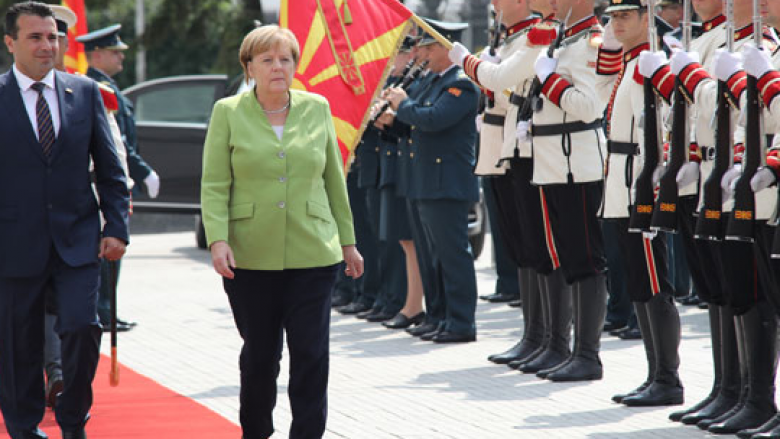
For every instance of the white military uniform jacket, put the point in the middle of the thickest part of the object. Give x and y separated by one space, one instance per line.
514 73
626 152
568 143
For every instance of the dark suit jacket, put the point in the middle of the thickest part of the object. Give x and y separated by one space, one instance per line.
49 203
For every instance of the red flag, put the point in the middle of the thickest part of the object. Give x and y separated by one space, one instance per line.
346 49
75 58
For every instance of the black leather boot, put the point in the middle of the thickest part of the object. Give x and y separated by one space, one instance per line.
640 309
714 317
731 373
760 332
559 301
544 304
533 323
666 388
767 427
591 306
773 433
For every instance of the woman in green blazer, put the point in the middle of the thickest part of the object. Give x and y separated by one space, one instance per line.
278 223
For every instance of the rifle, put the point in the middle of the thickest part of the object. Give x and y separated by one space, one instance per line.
665 211
709 225
404 83
494 42
740 226
642 211
533 101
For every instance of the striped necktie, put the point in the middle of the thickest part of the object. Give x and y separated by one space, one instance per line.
43 114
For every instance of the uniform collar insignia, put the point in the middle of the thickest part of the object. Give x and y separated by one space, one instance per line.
633 53
522 25
581 26
712 24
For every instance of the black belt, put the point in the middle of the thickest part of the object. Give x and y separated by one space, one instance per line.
707 153
493 119
564 128
624 148
516 99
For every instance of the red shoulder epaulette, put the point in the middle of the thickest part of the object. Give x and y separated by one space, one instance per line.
110 100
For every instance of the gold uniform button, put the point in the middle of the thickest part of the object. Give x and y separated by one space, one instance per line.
438 160
399 153
377 149
411 154
410 141
389 153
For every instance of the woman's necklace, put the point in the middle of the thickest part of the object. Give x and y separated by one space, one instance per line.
280 110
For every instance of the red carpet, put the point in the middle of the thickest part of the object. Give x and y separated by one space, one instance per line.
142 408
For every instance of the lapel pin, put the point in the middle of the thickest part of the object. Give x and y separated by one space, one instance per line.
68 90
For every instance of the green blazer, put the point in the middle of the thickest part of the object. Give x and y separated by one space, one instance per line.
278 204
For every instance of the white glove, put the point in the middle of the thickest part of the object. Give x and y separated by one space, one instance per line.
608 40
729 179
545 67
657 174
680 59
687 174
486 56
757 61
458 53
478 121
152 182
650 62
672 42
762 180
725 64
522 131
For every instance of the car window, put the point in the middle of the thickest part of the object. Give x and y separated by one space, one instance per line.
189 103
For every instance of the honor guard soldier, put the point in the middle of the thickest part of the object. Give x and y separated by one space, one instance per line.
568 148
444 186
740 262
625 37
703 257
763 65
509 77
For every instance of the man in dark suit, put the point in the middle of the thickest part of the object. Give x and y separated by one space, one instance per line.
52 125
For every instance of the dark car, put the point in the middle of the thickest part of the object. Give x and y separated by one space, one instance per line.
172 117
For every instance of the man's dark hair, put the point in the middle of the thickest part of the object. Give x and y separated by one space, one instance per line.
25 8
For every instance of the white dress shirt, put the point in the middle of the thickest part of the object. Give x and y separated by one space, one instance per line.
30 98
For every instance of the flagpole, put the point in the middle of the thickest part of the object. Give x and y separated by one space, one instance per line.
432 32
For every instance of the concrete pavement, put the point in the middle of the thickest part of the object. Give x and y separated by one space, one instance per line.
384 383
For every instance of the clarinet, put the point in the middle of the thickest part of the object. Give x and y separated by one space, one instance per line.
709 225
404 84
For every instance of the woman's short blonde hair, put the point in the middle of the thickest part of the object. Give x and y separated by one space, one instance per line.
265 38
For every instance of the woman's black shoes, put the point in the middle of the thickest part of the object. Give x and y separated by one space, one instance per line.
400 321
